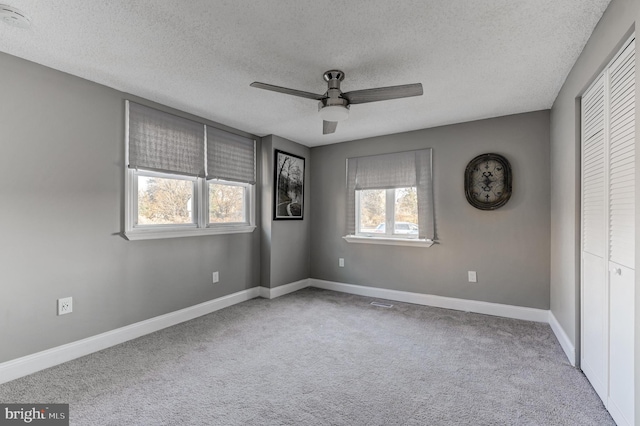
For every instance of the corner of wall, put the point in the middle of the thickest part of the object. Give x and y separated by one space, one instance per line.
285 244
266 205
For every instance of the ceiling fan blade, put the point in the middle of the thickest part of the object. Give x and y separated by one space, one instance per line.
286 91
329 127
383 93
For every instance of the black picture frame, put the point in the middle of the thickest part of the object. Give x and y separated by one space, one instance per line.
288 186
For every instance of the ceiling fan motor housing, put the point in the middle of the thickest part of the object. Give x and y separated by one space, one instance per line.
334 107
333 77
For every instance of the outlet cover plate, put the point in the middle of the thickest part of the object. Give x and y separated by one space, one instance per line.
65 305
473 278
341 262
216 277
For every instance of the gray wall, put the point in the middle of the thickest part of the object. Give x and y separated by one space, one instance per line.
284 243
509 247
612 30
62 174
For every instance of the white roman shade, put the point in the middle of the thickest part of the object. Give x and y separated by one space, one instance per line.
164 142
397 170
230 157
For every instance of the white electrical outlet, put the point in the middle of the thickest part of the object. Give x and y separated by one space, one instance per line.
341 262
65 305
216 277
473 278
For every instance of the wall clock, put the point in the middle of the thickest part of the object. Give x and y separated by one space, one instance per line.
487 181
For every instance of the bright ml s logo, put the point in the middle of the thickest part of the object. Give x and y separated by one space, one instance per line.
35 414
25 415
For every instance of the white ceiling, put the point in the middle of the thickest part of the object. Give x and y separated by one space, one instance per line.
475 59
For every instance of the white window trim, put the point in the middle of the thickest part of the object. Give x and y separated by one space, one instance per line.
249 198
409 242
200 226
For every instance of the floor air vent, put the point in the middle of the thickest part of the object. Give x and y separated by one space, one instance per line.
382 304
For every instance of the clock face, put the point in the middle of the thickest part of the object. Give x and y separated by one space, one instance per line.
488 181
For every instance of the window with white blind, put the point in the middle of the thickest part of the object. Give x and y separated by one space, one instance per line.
390 199
185 178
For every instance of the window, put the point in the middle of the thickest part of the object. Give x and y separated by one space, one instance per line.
164 199
390 199
185 178
227 202
387 212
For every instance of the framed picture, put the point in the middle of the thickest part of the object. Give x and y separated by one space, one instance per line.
288 187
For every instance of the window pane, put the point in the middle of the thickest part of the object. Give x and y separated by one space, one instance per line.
164 201
406 211
372 210
226 203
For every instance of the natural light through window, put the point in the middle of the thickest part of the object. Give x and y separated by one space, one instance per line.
227 203
387 212
372 212
164 201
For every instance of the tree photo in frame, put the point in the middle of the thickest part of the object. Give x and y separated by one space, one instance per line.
288 186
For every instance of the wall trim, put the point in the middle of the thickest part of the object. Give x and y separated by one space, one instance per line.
563 339
29 364
479 307
272 293
264 292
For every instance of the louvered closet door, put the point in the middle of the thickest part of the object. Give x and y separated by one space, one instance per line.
594 352
608 235
622 235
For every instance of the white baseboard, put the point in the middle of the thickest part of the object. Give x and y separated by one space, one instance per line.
488 308
29 364
264 292
272 293
563 338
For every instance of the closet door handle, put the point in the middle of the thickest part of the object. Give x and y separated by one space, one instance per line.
615 270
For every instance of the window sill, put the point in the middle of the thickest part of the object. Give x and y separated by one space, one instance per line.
414 242
154 234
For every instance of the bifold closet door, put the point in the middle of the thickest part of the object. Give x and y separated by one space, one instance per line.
594 354
608 235
622 235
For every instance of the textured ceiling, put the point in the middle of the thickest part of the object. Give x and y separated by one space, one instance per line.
475 59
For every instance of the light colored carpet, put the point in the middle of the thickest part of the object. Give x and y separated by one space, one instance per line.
317 357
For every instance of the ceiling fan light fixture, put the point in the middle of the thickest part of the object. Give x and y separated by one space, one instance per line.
334 113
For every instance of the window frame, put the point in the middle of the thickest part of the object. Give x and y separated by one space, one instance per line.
170 226
389 218
201 225
249 212
391 170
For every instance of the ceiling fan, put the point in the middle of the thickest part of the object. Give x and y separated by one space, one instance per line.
334 104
